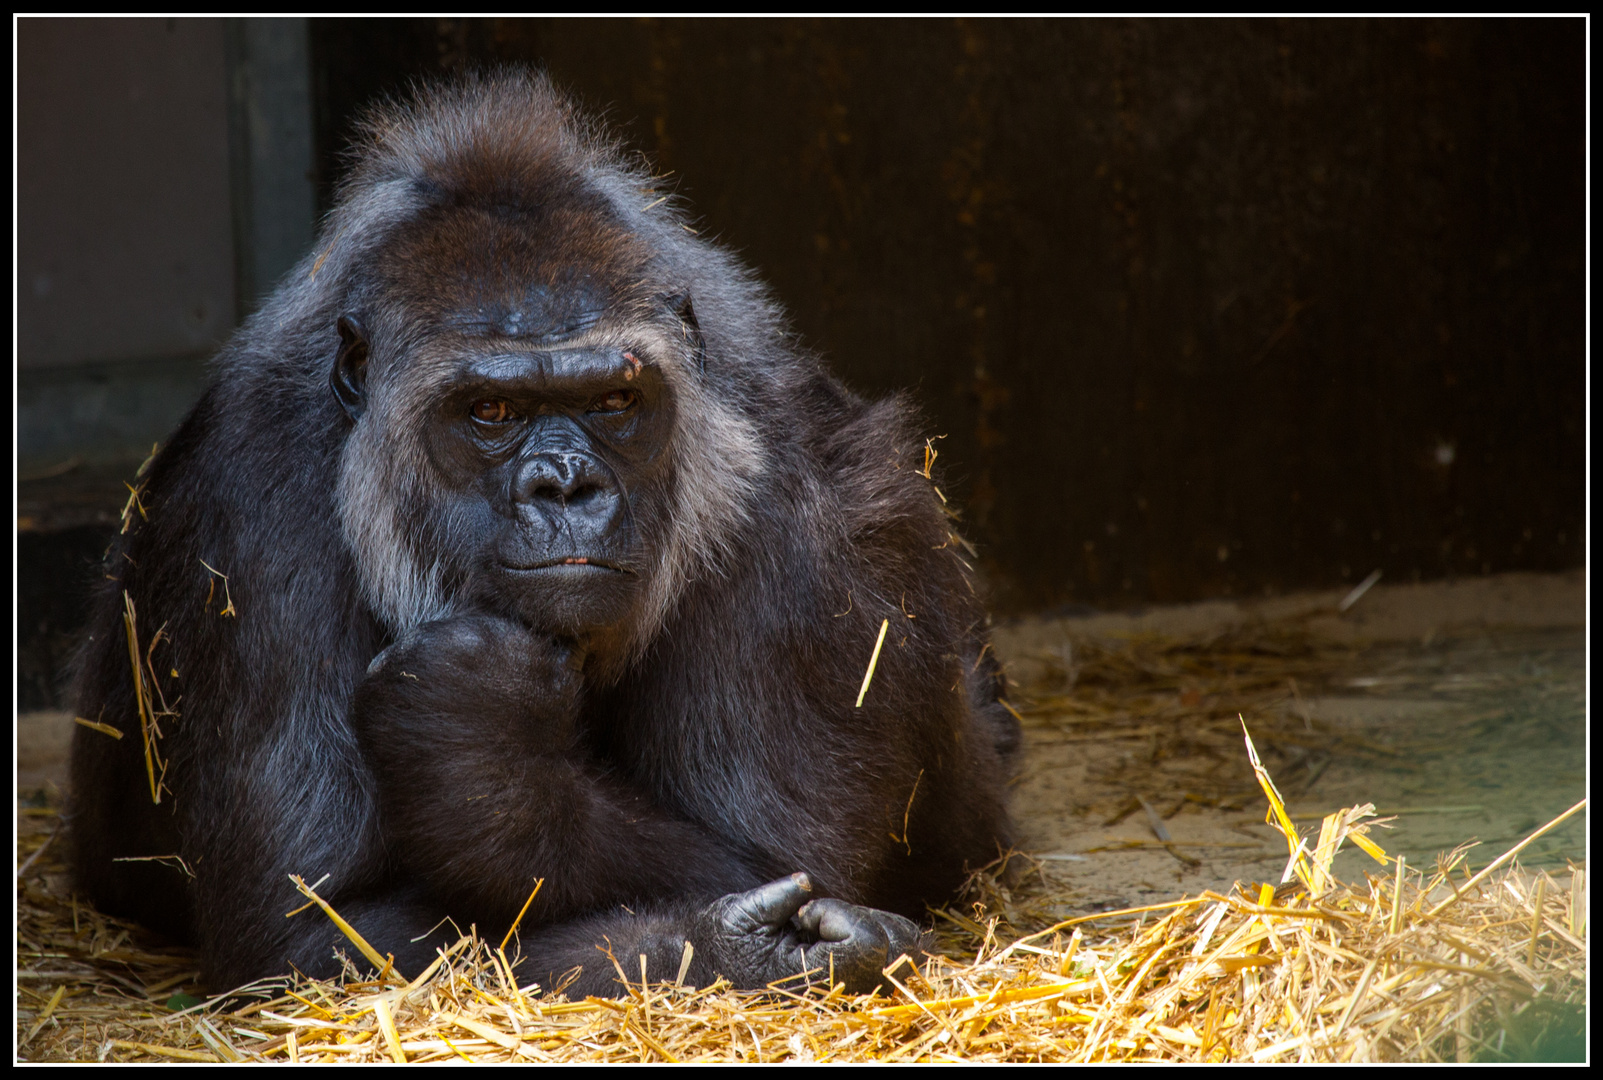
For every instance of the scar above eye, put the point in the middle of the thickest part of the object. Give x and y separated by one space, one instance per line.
634 365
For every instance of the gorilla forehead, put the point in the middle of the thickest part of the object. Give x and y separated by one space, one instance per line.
537 270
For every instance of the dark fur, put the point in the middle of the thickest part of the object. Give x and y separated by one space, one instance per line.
701 744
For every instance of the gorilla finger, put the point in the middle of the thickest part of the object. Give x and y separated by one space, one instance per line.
478 638
856 963
836 921
904 935
768 905
460 641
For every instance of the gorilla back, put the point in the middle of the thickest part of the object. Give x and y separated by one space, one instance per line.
514 540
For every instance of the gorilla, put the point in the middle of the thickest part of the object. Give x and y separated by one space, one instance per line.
516 539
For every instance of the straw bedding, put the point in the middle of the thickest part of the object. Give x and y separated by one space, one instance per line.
1427 963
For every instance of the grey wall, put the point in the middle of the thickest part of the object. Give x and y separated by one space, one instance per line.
164 183
124 232
270 149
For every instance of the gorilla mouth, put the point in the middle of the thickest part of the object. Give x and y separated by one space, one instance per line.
571 564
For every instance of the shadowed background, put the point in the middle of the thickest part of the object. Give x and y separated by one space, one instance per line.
1202 308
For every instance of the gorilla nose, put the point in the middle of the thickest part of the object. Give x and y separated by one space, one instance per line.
567 484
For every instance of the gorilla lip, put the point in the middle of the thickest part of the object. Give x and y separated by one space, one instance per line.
585 561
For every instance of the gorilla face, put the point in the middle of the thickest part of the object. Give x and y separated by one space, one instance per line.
547 467
519 408
562 449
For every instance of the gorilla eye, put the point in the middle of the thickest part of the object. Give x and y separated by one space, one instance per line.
492 411
615 402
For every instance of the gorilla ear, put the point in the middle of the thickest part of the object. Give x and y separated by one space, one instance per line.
349 377
679 304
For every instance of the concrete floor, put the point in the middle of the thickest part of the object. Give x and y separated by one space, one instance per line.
1466 704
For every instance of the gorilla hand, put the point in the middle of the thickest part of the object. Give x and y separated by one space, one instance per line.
475 683
777 932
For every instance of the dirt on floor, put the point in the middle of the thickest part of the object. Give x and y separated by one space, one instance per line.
1458 708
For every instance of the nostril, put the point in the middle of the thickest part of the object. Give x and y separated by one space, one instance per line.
583 492
541 487
561 478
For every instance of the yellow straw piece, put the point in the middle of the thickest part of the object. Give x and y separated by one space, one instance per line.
95 725
522 911
868 676
44 1014
386 1023
383 964
1507 857
1277 809
177 1052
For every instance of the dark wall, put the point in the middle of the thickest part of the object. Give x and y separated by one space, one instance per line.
1202 307
123 239
162 186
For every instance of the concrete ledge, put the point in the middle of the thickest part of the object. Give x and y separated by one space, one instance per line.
102 413
1384 613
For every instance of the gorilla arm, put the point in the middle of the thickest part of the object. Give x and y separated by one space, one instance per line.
469 725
